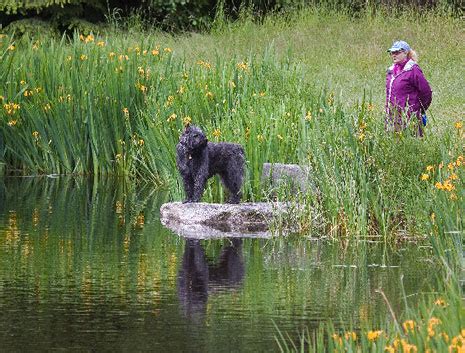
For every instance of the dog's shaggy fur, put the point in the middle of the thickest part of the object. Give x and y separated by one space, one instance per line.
197 160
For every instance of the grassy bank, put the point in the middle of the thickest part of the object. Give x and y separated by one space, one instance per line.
307 88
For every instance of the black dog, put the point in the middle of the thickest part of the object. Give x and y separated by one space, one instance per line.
197 160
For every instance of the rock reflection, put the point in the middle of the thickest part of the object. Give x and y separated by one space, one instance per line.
197 278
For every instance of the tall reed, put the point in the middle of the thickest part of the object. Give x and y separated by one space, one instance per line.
116 105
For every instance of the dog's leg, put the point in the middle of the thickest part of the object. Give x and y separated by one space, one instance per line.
200 175
233 177
188 188
233 184
199 186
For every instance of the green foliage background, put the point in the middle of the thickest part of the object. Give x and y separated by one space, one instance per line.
189 14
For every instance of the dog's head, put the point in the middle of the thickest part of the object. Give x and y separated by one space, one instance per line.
193 138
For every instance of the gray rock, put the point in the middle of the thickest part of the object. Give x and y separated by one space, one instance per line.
207 220
298 178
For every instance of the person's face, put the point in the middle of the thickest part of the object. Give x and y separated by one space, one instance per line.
398 56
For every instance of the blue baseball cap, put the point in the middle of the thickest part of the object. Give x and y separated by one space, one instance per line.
399 45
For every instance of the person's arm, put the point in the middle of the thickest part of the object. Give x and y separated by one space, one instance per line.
424 90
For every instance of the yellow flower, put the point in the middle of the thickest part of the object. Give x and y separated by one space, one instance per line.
155 52
83 57
389 349
424 176
453 196
169 101
337 338
47 107
22 82
209 95
330 99
11 47
361 137
447 185
408 325
438 185
28 93
111 54
125 112
89 38
167 50
12 122
243 66
460 160
429 168
374 335
260 138
370 107
205 64
171 118
262 94
458 125
453 176
181 90
247 132
432 323
408 348
308 117
2 98
350 335
280 137
140 142
35 134
187 120
101 44
216 133
141 87
11 108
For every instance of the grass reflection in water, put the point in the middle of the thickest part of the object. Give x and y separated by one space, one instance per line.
87 265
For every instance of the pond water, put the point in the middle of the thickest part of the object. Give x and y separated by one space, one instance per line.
87 265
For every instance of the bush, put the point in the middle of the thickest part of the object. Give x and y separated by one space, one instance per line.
33 28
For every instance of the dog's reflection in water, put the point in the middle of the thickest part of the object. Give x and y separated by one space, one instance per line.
197 277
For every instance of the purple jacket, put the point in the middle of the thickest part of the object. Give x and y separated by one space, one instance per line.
407 93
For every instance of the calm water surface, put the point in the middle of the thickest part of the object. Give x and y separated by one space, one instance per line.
88 266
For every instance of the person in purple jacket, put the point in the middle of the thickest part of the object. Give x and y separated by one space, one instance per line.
408 93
